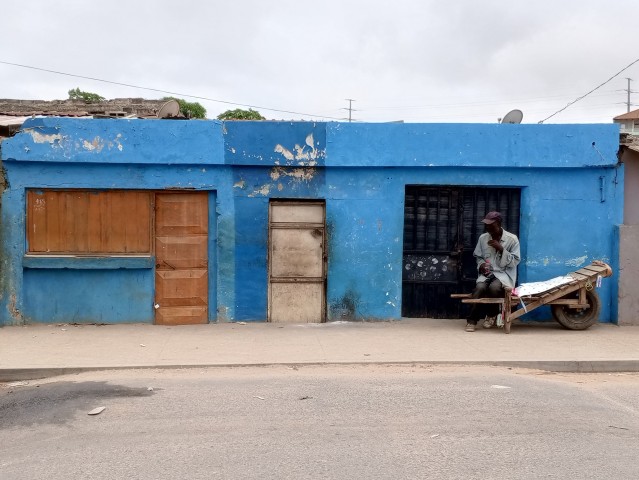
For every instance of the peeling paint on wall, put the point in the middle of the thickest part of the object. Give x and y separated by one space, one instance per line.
285 152
53 139
117 142
576 262
240 184
98 144
553 261
95 144
306 155
264 190
300 174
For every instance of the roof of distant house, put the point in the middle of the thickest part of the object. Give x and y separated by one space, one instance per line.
116 108
634 115
13 113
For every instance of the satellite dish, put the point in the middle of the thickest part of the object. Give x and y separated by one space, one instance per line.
169 109
514 116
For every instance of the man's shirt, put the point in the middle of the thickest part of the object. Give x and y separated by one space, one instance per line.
503 264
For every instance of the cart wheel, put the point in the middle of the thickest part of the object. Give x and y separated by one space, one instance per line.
578 318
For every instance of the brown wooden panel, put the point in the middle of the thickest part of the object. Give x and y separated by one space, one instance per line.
89 222
181 214
139 224
181 316
94 208
37 219
181 242
181 287
52 230
181 252
116 238
77 221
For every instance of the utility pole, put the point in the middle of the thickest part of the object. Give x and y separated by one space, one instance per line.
628 91
350 109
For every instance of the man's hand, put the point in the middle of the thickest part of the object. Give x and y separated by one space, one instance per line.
484 269
496 245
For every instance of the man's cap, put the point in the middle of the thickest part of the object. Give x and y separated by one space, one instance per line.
492 217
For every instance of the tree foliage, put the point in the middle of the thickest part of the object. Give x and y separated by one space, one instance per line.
240 114
88 97
189 109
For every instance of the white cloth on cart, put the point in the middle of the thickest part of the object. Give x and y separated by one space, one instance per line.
533 288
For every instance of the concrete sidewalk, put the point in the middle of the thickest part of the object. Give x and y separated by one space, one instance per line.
37 351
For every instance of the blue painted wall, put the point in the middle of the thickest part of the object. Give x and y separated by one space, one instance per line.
571 202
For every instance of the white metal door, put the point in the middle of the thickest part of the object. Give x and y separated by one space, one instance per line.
297 271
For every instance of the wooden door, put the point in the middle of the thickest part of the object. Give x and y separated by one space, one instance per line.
181 270
297 270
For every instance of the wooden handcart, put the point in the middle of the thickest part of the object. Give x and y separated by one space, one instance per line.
575 304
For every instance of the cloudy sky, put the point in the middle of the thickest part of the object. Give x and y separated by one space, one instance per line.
411 60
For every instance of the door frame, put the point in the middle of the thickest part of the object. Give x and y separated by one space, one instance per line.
428 290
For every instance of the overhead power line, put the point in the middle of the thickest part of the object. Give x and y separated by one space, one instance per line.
494 102
166 91
591 91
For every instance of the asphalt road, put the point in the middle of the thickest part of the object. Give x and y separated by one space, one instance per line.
333 422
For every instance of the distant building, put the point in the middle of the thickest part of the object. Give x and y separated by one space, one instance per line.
13 113
629 230
116 108
629 122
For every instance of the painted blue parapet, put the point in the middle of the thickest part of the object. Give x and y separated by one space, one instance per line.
471 145
283 144
66 140
571 202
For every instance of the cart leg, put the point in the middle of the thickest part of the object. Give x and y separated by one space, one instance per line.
505 316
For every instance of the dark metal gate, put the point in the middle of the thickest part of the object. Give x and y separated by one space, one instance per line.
441 227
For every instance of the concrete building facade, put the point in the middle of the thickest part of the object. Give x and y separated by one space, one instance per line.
383 216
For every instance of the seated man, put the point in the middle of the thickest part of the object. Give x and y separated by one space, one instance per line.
497 255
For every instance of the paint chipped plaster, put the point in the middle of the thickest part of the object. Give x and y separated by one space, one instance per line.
264 190
554 261
98 144
306 155
576 262
53 139
298 174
